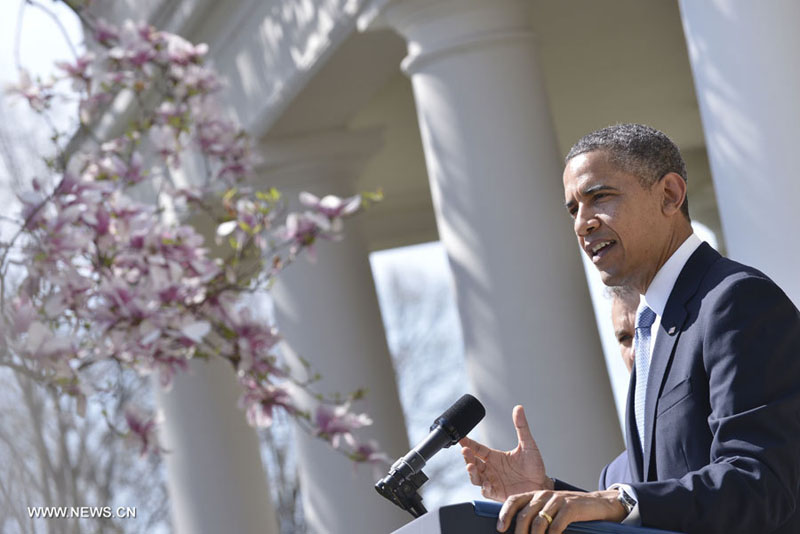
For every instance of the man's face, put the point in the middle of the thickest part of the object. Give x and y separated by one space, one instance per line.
618 222
623 317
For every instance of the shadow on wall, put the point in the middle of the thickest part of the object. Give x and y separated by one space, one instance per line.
274 49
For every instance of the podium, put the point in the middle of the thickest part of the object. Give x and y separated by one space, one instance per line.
480 517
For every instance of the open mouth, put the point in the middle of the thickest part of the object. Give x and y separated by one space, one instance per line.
600 249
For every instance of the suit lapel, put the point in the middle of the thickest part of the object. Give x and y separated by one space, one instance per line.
672 324
667 337
632 436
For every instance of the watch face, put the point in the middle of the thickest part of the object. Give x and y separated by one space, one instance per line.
627 501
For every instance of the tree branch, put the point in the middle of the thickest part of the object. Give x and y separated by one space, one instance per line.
60 25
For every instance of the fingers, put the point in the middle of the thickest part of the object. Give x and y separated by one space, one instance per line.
563 514
560 523
474 475
475 467
539 512
488 491
597 505
468 454
524 435
529 518
479 477
472 464
545 518
510 507
551 512
480 450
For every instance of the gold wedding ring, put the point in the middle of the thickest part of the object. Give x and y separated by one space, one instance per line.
547 517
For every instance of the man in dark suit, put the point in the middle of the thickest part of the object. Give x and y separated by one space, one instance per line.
624 304
713 418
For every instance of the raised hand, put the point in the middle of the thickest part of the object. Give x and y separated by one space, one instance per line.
501 474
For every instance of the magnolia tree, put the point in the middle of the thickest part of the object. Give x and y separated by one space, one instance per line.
91 276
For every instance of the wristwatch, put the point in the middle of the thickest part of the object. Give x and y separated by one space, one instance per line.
626 499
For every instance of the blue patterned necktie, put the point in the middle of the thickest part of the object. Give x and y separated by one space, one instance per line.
641 346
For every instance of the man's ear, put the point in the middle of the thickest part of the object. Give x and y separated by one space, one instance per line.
674 193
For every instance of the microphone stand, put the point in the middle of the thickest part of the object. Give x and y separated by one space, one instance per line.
402 491
405 475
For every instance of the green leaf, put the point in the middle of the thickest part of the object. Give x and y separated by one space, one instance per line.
227 333
273 195
229 194
373 196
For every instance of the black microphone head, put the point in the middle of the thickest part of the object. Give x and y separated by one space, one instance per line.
460 418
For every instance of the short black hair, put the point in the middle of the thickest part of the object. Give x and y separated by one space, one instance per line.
636 149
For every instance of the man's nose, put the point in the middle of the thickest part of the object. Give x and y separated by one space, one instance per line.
585 222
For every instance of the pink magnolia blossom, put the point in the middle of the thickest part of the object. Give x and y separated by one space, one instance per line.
37 94
260 399
330 205
166 141
111 278
105 33
323 219
182 52
302 230
192 79
89 107
49 350
143 431
254 342
370 452
337 423
135 47
22 314
78 71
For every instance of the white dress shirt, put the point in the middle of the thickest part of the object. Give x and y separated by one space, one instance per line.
661 287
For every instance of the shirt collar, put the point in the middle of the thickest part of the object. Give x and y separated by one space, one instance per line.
657 294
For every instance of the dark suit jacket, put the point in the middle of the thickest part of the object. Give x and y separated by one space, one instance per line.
617 472
722 417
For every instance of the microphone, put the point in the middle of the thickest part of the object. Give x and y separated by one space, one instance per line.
405 476
455 423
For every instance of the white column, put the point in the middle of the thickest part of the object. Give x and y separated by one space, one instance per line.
495 177
744 57
328 312
215 477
